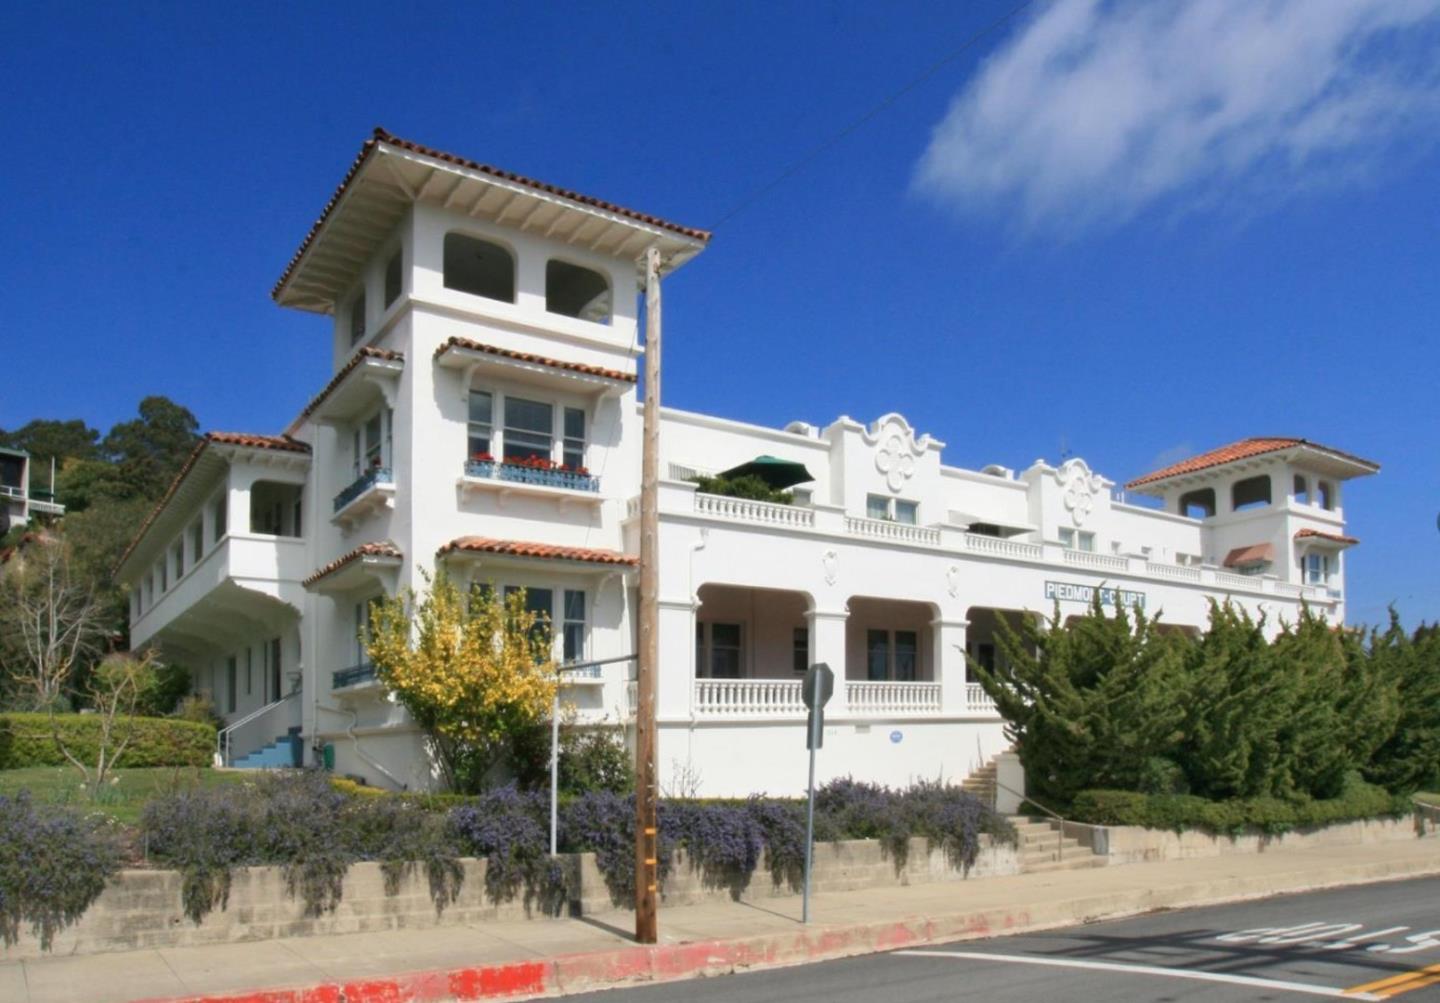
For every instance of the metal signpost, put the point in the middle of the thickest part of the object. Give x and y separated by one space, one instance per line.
816 691
555 740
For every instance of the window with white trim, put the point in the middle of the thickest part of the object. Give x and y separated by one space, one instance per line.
892 655
573 445
1318 568
898 510
1072 539
394 276
481 423
719 653
529 430
572 626
357 319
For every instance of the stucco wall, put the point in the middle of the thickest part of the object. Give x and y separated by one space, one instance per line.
1128 844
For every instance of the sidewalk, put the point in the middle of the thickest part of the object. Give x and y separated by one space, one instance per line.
552 957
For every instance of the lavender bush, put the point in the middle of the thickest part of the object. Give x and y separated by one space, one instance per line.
504 827
54 862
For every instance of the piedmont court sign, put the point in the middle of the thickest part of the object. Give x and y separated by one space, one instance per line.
1070 592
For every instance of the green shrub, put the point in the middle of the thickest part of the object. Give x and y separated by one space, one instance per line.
1178 812
163 692
748 486
27 740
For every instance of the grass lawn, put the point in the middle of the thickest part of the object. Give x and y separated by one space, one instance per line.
125 798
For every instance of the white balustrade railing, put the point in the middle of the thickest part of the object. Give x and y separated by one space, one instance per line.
1099 562
892 698
748 698
1286 589
977 701
1174 572
1228 581
900 532
748 510
1000 547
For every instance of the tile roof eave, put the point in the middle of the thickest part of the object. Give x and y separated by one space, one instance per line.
377 549
1244 449
536 551
457 343
380 137
366 353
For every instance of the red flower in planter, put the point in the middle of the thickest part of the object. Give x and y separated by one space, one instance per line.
483 458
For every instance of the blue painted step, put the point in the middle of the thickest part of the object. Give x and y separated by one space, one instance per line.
278 755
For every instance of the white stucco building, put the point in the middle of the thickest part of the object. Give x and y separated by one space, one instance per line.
19 499
483 414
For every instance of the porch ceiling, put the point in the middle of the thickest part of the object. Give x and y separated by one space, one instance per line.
226 618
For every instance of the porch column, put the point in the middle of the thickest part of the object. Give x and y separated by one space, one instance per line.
949 662
675 687
827 644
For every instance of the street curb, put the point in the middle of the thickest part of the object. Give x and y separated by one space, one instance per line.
575 973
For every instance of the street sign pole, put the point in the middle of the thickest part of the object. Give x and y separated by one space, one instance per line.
819 684
816 726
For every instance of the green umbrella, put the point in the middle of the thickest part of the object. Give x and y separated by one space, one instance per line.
777 473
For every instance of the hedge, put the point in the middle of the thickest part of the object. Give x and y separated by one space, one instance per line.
26 740
1178 812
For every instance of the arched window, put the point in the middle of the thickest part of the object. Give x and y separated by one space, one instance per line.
573 291
1198 504
479 267
1326 494
1252 492
1301 490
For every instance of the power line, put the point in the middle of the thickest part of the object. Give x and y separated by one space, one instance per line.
825 146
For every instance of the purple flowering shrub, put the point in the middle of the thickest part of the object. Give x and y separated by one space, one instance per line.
506 828
54 862
724 840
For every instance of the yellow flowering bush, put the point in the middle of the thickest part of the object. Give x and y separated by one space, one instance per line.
474 671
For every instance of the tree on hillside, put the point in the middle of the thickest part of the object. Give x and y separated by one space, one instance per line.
45 439
52 621
150 449
475 672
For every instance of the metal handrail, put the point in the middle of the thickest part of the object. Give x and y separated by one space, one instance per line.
224 735
1060 837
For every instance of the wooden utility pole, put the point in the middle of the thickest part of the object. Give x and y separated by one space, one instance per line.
647 839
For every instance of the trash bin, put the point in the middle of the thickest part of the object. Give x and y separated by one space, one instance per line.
327 756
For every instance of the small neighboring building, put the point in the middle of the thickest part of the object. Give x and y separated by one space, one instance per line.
18 501
482 416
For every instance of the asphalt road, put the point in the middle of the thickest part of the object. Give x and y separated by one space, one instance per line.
1368 942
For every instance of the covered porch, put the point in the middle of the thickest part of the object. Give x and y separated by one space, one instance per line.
892 658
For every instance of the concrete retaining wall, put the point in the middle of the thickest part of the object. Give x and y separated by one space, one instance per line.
142 909
1129 844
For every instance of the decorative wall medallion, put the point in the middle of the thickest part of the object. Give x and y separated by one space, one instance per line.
952 580
828 561
897 449
1080 486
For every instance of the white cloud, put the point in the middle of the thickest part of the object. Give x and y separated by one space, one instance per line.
1097 110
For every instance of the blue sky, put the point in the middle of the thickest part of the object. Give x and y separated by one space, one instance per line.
1129 231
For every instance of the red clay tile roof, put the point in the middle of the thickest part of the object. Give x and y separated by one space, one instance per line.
574 367
547 551
381 136
1315 534
1242 450
383 354
282 443
1256 553
376 548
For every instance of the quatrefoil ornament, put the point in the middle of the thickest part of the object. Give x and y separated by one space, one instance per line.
895 461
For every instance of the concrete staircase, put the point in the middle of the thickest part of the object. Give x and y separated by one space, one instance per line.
1043 848
278 755
981 783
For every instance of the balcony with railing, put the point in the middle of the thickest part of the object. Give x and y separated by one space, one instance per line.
373 489
355 677
880 698
537 478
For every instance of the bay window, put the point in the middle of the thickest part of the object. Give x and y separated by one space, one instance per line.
529 429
